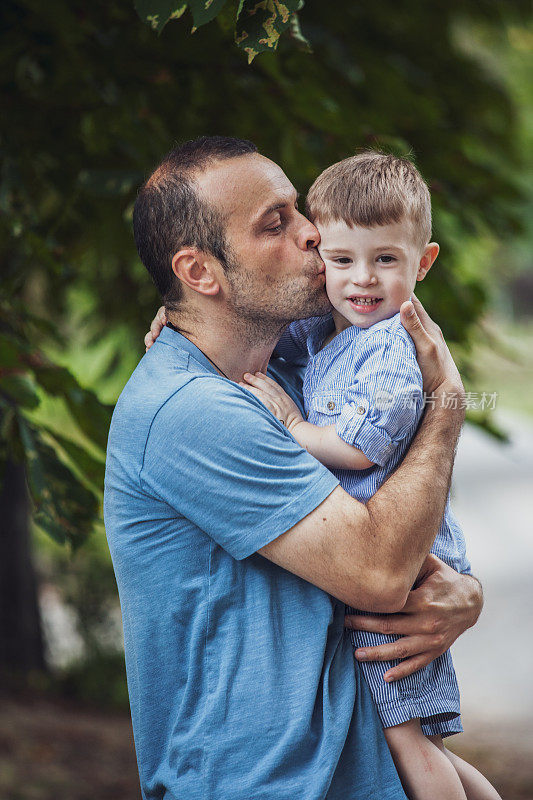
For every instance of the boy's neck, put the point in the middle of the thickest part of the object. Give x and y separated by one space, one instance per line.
341 324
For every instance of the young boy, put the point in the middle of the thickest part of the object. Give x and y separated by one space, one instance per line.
364 399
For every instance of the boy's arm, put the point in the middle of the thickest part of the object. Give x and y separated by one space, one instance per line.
382 406
321 442
326 446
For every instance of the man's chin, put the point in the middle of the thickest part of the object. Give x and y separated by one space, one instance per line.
317 306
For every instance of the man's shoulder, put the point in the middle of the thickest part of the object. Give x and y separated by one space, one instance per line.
167 385
178 379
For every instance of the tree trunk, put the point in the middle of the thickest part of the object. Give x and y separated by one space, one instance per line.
21 640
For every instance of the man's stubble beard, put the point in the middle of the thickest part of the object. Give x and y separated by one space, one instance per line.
264 312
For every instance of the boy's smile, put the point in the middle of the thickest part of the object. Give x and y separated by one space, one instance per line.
370 272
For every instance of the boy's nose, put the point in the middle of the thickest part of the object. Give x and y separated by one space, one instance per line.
362 276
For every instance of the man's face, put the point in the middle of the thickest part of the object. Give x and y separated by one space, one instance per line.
276 273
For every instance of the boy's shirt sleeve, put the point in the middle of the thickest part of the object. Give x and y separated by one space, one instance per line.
385 402
292 345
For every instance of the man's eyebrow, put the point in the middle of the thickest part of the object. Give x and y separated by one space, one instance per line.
276 206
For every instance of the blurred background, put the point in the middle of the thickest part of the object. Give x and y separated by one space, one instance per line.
91 99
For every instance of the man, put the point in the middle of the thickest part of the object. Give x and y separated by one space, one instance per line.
234 550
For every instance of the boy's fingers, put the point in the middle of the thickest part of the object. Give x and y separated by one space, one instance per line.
270 381
257 390
265 399
156 327
253 380
259 381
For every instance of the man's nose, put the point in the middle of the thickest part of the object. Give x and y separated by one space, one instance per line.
308 235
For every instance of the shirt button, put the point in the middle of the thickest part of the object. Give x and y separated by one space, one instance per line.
331 405
361 409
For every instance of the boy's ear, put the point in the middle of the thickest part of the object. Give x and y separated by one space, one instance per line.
427 260
195 270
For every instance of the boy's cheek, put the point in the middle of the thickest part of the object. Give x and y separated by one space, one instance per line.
330 282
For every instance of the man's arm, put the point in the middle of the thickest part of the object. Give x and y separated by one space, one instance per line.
442 606
369 556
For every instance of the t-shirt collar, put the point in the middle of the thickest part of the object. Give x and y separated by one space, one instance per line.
180 342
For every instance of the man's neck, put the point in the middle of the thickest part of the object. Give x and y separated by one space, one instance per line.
229 347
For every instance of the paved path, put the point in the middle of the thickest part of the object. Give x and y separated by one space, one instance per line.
493 499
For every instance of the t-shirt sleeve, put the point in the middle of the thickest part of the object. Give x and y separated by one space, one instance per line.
219 458
385 402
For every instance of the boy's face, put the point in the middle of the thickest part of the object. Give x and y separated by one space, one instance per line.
370 272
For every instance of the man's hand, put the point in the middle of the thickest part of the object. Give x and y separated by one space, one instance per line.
443 605
158 323
439 373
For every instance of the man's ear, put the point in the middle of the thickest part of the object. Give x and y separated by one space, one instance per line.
427 260
196 270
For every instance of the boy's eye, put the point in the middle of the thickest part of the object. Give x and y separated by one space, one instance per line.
342 260
386 259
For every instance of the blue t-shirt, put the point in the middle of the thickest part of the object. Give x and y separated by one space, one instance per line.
241 678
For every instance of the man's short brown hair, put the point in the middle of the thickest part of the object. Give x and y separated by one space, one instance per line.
369 189
170 212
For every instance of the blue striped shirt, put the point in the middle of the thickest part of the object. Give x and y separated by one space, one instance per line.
367 382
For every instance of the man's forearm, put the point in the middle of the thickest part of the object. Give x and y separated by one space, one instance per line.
405 513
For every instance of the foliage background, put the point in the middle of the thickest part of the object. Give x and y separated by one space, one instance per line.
91 99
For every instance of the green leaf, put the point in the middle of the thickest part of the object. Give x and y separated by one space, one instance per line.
34 467
11 352
295 31
92 416
90 467
20 389
64 507
112 182
204 11
158 12
260 24
487 424
49 526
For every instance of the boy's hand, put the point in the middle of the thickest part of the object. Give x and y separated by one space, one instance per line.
158 323
443 605
439 373
273 397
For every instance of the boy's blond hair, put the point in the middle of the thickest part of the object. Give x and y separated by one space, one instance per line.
370 189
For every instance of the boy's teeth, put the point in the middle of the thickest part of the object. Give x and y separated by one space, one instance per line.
365 301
